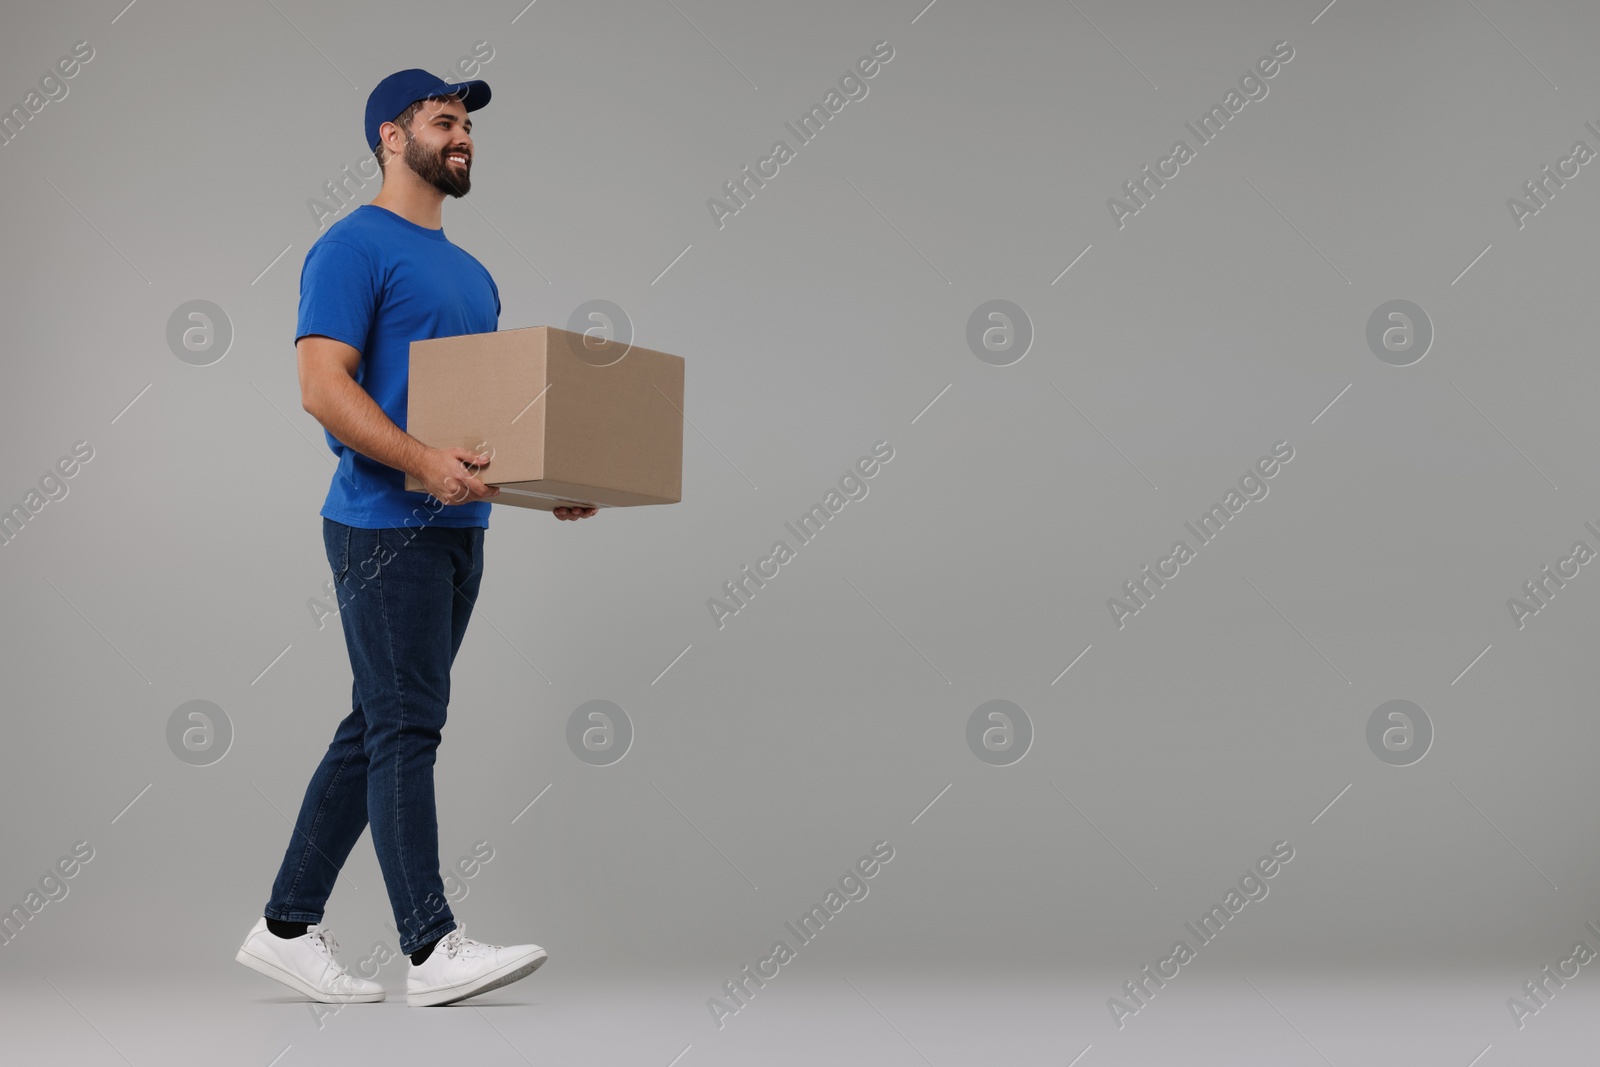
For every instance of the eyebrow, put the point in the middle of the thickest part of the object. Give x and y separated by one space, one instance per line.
452 117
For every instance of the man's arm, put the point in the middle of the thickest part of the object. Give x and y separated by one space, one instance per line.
330 393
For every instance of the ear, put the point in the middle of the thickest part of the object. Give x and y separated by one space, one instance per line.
392 129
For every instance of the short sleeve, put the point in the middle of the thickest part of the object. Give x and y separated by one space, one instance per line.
338 294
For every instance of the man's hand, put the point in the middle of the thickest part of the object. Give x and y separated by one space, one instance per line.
573 513
447 473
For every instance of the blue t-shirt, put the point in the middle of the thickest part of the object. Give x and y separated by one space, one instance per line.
377 282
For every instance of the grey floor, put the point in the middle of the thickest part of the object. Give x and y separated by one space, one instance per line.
226 1015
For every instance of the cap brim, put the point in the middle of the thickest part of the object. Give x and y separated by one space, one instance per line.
474 94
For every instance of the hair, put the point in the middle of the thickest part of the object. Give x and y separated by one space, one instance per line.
403 120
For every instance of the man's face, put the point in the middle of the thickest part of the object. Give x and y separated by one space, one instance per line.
439 146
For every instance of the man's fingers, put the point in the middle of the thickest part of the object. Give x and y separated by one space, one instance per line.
464 489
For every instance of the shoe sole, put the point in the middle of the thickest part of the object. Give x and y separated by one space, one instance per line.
299 985
511 972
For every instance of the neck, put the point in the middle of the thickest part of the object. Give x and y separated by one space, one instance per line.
411 198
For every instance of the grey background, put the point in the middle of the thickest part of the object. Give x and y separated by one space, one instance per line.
824 317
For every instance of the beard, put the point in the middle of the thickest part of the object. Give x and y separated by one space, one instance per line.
433 168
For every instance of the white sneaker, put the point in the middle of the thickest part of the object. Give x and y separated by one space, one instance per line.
460 967
306 964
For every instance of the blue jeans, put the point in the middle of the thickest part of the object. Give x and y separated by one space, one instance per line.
405 596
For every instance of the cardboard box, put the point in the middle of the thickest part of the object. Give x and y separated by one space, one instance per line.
568 419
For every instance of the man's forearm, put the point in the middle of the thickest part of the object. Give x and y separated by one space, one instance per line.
350 414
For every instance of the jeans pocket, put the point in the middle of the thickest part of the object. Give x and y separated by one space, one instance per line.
336 538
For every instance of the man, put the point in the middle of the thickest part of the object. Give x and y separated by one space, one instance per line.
407 567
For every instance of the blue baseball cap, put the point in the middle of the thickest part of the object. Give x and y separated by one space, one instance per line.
403 88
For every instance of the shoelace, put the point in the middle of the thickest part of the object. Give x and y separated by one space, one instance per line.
322 939
457 943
